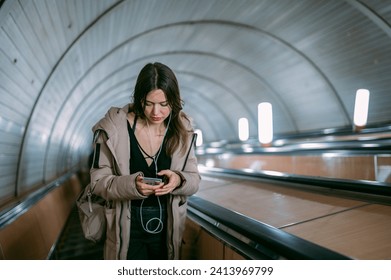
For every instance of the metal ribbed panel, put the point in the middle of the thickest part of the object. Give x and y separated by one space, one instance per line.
32 40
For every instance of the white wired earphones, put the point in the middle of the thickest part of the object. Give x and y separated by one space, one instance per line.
155 158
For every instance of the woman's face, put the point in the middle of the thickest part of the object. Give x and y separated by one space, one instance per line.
157 108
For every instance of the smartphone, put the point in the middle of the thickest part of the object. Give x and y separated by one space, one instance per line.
151 181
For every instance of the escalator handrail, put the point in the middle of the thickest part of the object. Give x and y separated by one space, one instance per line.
358 186
14 211
284 244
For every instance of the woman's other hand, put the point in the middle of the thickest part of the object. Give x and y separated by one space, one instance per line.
173 180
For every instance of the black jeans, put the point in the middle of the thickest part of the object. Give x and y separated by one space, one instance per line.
146 245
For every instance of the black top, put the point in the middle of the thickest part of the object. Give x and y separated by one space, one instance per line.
138 163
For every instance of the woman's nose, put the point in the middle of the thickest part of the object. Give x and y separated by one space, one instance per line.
155 109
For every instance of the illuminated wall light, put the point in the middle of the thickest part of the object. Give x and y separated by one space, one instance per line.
200 140
243 129
265 123
361 108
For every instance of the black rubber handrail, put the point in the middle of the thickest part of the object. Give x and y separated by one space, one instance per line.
282 244
373 140
373 147
357 186
11 213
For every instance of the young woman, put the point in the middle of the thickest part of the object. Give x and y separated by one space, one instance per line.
153 138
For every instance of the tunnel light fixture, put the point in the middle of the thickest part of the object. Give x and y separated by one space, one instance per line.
361 108
243 129
200 139
265 123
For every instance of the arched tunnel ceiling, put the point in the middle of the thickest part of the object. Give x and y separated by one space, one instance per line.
64 63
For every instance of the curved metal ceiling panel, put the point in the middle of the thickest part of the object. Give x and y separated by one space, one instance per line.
64 63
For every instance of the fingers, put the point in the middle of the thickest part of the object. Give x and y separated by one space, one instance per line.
165 189
172 177
146 189
173 181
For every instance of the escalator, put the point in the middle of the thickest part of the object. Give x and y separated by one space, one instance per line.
72 245
278 227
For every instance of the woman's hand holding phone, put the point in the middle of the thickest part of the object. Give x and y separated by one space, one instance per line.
147 186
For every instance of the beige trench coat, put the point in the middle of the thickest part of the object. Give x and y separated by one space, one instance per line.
111 180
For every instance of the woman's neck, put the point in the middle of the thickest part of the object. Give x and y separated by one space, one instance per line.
155 129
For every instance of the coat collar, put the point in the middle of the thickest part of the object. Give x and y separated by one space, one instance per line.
113 121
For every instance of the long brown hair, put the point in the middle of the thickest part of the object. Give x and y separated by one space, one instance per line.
159 76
